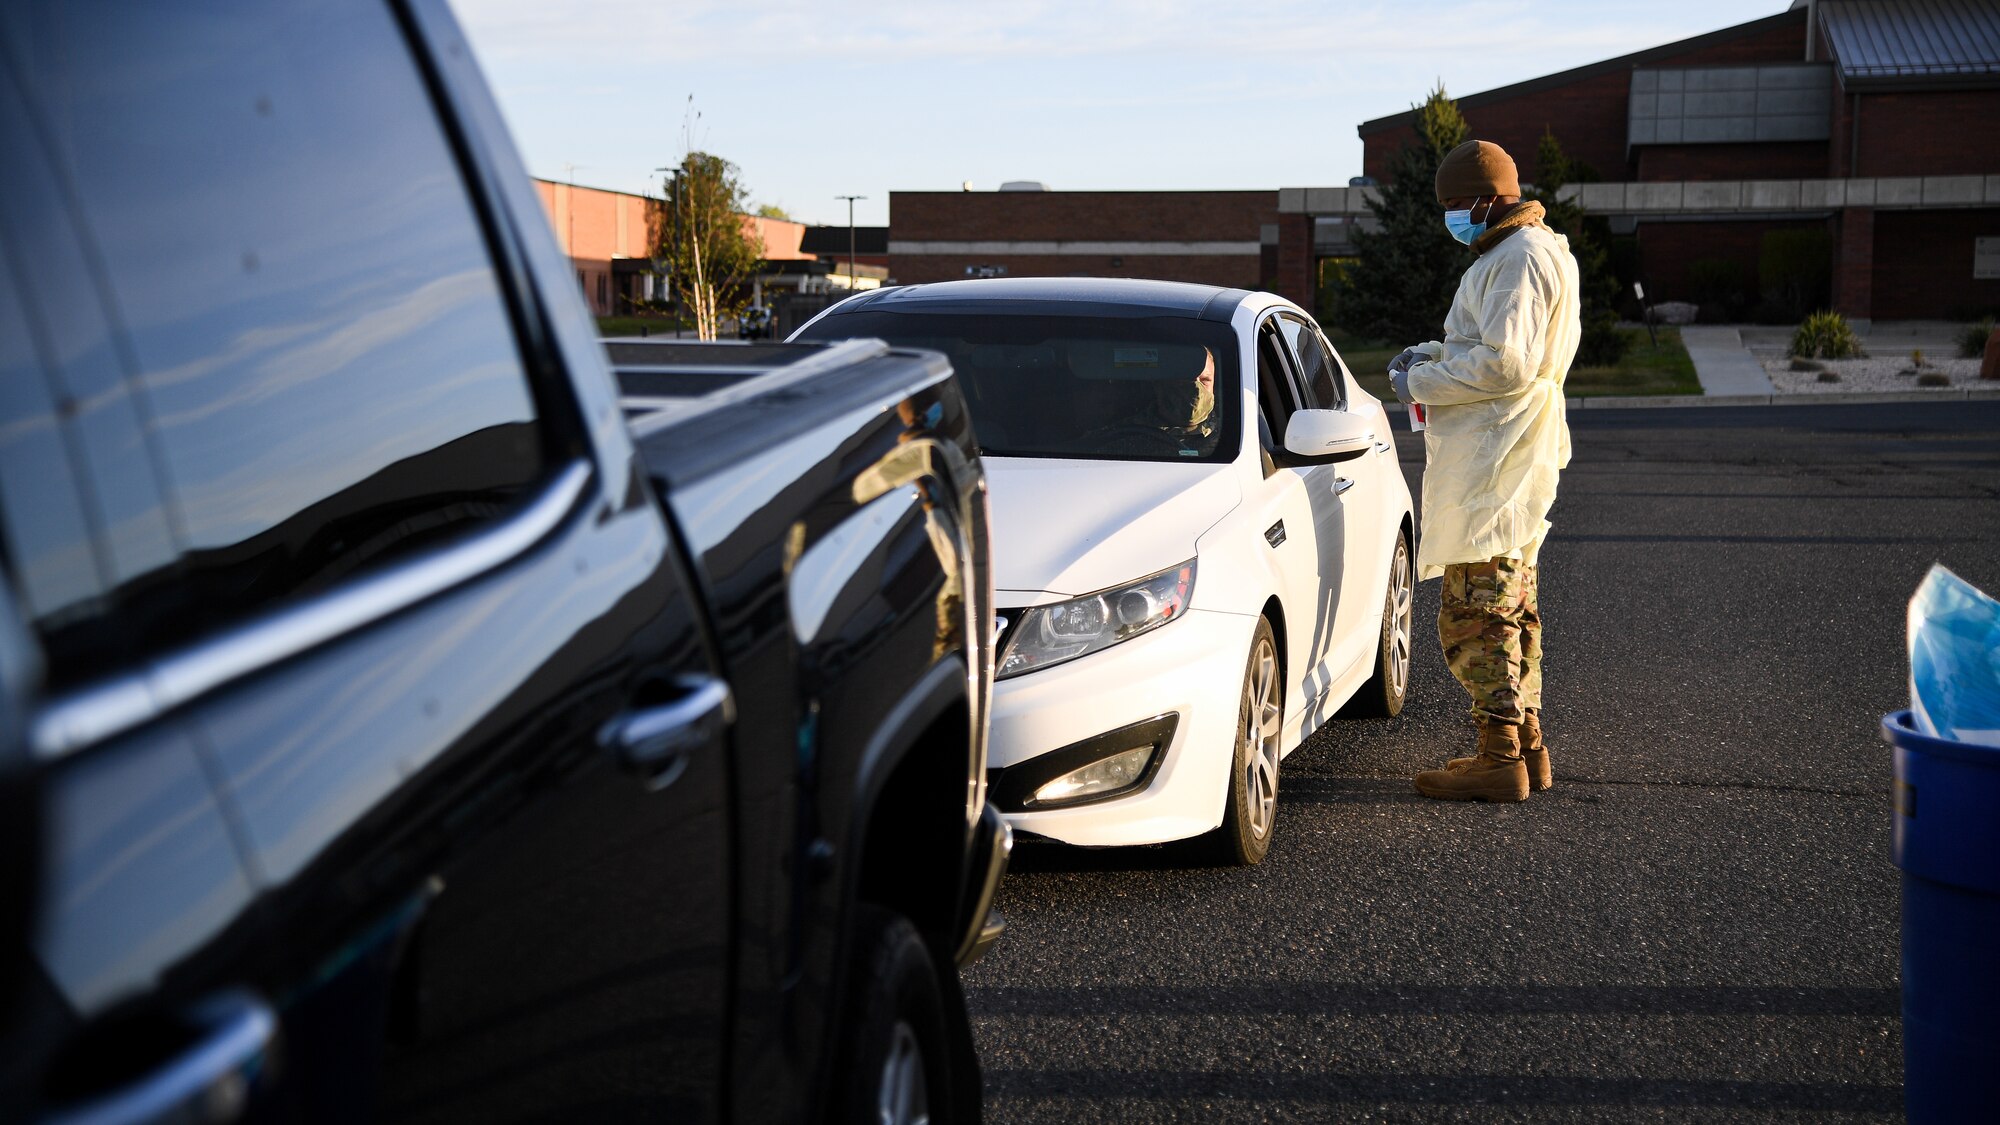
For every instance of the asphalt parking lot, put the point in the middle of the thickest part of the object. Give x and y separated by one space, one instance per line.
1698 923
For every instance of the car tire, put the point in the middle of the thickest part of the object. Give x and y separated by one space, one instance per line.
1383 696
898 1062
1250 815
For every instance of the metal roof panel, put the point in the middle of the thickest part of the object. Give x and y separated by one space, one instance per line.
1913 39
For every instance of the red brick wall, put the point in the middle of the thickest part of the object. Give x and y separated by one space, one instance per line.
1666 250
1783 41
1839 147
1239 270
1082 216
1800 160
1927 133
1177 216
1854 263
1295 279
1923 264
1588 115
591 223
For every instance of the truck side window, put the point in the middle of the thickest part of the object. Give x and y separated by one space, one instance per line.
44 529
321 349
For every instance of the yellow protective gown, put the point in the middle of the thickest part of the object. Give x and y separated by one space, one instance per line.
1493 393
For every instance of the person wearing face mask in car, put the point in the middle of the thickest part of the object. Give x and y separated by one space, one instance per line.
1178 419
1494 443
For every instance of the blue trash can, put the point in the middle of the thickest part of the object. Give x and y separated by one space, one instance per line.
1947 812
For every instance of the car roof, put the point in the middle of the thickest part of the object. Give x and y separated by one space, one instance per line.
1078 296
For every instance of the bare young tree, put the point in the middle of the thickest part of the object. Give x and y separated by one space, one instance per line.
707 245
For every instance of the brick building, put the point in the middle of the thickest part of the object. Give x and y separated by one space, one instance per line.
1876 122
870 246
609 237
1217 237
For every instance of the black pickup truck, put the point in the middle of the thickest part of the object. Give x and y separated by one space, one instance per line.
399 722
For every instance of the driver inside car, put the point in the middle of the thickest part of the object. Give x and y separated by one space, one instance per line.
1177 416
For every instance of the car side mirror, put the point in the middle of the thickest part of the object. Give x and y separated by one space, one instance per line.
1324 436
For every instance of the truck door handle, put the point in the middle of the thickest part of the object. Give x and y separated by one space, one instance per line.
209 1081
1341 485
655 742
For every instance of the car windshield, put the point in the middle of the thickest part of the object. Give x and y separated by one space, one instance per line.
1111 388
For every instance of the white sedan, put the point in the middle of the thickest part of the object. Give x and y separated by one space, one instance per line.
1201 544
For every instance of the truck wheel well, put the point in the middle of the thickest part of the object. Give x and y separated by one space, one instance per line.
912 852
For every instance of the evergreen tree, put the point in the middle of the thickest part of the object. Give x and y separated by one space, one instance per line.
1400 285
1603 342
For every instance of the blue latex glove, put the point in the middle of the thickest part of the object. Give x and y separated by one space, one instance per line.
1403 361
1399 381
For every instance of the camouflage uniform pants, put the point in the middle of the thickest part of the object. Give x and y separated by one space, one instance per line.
1491 630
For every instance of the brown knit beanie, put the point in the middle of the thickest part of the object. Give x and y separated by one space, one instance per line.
1477 168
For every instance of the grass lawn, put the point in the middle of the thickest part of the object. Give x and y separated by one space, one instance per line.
1644 370
636 326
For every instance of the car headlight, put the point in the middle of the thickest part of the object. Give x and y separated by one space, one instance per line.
1050 634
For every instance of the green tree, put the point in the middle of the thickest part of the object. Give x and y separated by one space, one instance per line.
703 241
1399 285
1603 342
773 211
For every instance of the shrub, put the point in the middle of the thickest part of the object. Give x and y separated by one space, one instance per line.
1602 344
1807 365
1972 343
1933 379
1719 288
1826 335
1795 269
1829 376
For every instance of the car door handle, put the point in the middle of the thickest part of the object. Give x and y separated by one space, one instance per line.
655 742
209 1081
1383 447
1341 485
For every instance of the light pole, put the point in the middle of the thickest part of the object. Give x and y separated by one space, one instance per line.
569 237
853 282
673 247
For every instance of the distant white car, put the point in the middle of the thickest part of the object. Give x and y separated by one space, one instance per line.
1180 604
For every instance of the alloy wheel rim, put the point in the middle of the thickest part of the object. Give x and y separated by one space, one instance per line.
1401 595
901 1096
1260 732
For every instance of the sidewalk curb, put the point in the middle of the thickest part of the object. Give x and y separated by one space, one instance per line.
1835 398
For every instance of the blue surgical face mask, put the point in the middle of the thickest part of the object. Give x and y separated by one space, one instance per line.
1461 226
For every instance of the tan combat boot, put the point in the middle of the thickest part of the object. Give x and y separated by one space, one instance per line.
1533 753
1496 774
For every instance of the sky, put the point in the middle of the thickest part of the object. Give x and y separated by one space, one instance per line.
814 99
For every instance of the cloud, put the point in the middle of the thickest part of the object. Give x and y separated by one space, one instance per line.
899 31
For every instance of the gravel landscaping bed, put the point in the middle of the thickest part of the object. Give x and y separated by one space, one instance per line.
1876 373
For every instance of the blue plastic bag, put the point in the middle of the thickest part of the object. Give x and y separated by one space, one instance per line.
1955 660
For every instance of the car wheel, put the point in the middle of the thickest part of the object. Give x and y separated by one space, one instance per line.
898 1069
1385 692
1251 815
